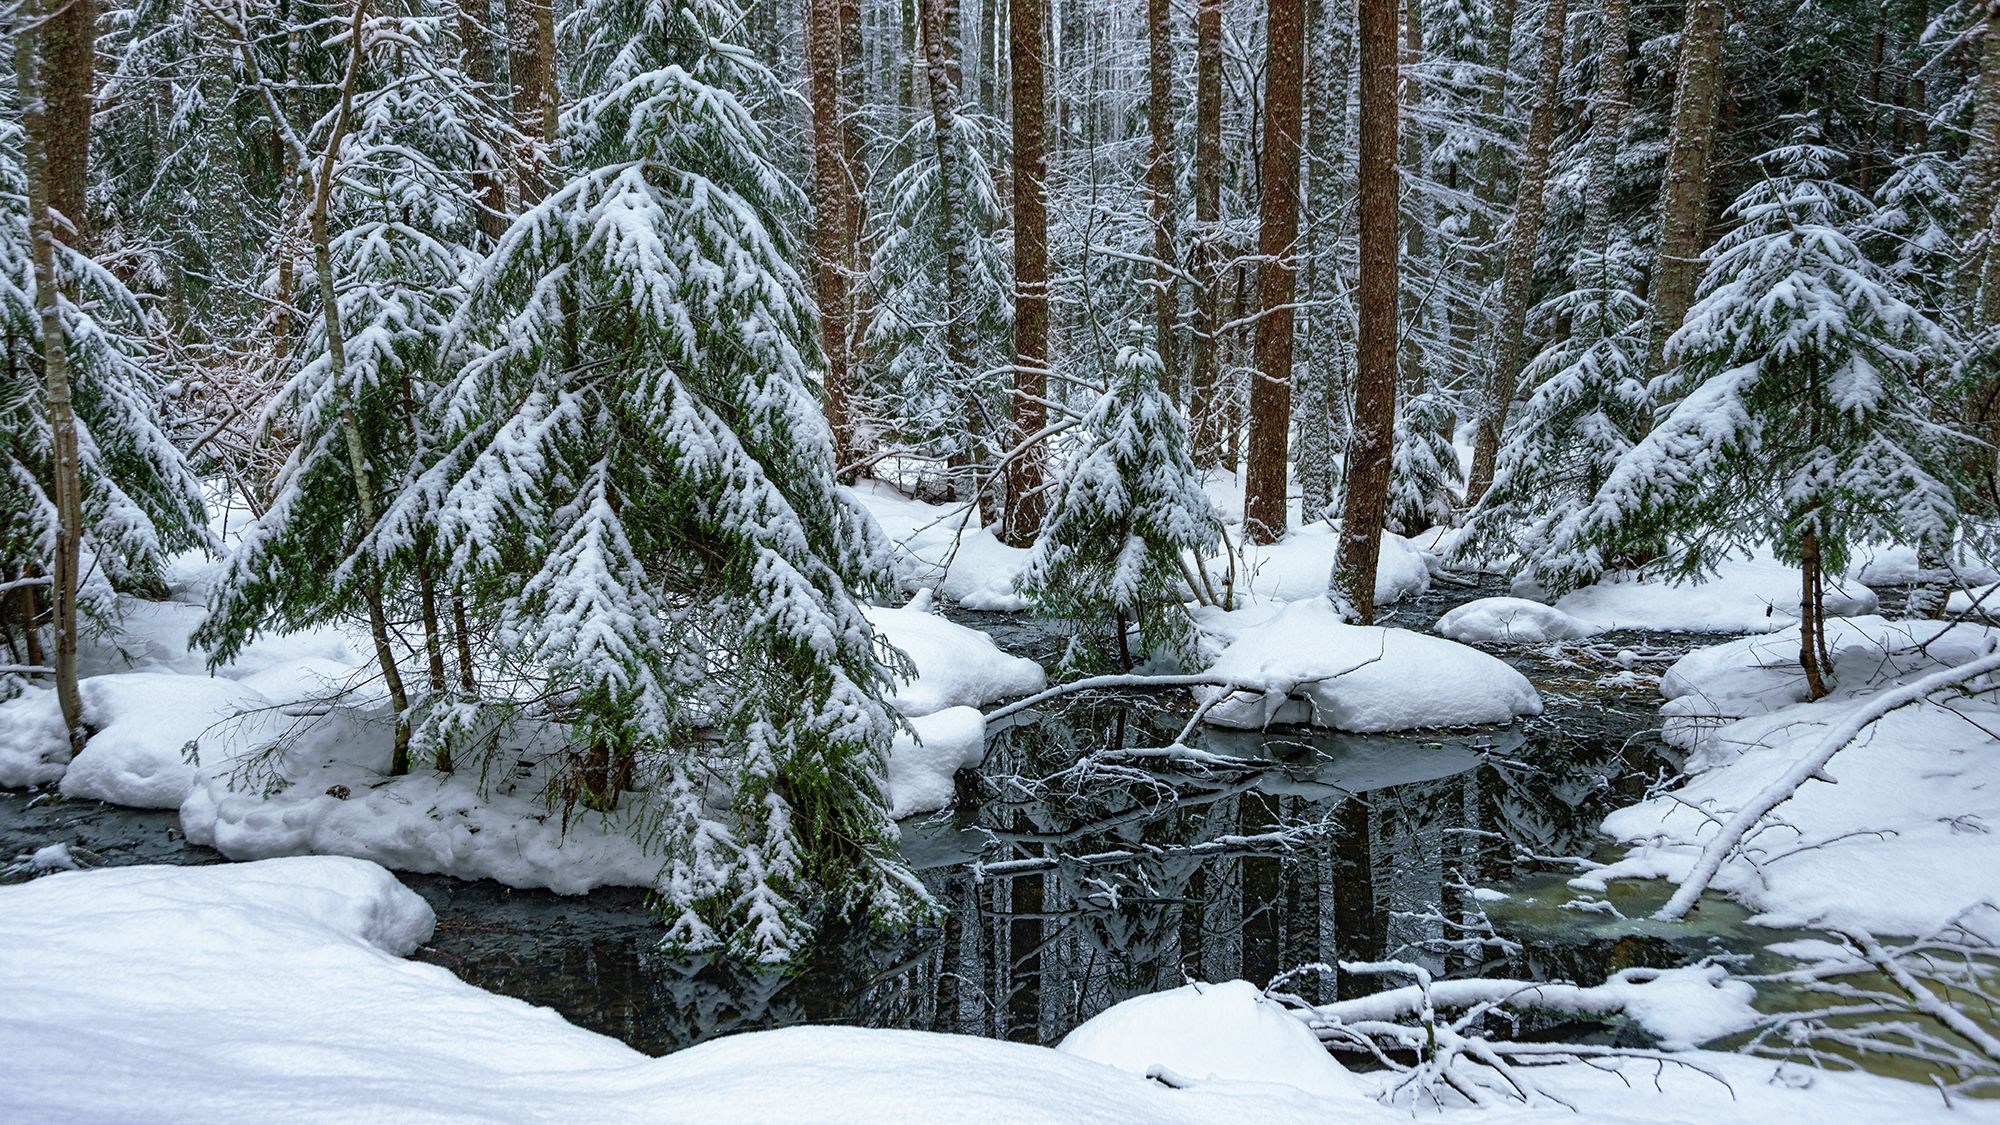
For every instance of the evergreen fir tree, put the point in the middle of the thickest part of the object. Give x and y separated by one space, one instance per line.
637 489
1797 419
1116 541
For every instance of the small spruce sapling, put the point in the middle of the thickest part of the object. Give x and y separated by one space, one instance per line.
1799 421
1115 542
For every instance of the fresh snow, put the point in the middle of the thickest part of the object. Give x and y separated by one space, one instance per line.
956 666
1511 621
942 547
1899 845
276 991
1754 595
1301 565
1302 664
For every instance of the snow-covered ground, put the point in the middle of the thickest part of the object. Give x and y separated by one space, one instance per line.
1906 837
276 991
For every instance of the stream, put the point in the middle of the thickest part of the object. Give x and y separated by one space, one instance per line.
1182 874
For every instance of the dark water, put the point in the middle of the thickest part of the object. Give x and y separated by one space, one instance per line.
1068 890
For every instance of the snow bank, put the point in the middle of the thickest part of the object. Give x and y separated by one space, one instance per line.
268 992
942 547
1301 564
955 666
1754 595
1893 565
1210 1032
34 750
1905 839
141 725
921 769
1303 664
1511 621
322 790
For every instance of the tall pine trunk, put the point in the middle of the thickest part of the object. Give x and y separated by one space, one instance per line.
531 64
67 485
1277 275
1371 451
475 54
1684 193
1516 284
941 93
832 230
69 55
1608 104
1160 187
1026 501
1207 393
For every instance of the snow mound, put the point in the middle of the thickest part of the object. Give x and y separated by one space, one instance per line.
1301 564
1211 1032
956 666
1755 595
921 769
34 750
942 546
1303 664
1510 621
1910 822
1896 565
142 723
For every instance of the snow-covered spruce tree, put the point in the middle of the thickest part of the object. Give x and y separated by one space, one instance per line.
399 218
1117 539
139 502
1586 411
637 491
1798 419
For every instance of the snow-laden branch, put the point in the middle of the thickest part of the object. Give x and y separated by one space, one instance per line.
1092 683
1811 766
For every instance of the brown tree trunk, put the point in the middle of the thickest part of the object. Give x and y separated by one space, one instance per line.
1026 502
69 55
832 241
1160 187
1370 452
67 485
1812 616
1207 394
1981 192
941 90
531 64
1517 282
1684 194
1277 275
475 53
1608 105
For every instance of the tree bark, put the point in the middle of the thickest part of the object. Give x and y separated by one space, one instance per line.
941 90
531 64
832 242
67 482
1206 394
1684 194
1608 104
475 53
1026 503
1277 275
69 54
1369 453
1516 284
1160 188
1982 160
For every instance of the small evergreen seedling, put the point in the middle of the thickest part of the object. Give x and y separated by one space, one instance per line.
1113 543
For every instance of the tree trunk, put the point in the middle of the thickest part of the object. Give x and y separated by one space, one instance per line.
1026 502
1370 452
1206 394
475 54
1318 404
69 54
1684 194
531 64
67 485
832 243
1812 616
1277 275
1982 160
358 464
1608 104
1489 178
1160 188
1517 283
942 94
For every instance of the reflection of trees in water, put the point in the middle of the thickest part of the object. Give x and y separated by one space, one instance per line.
1029 956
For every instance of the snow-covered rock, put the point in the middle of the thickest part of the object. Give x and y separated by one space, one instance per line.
921 768
1212 1032
1302 664
956 666
1510 621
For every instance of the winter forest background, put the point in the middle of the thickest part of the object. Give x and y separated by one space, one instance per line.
596 366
